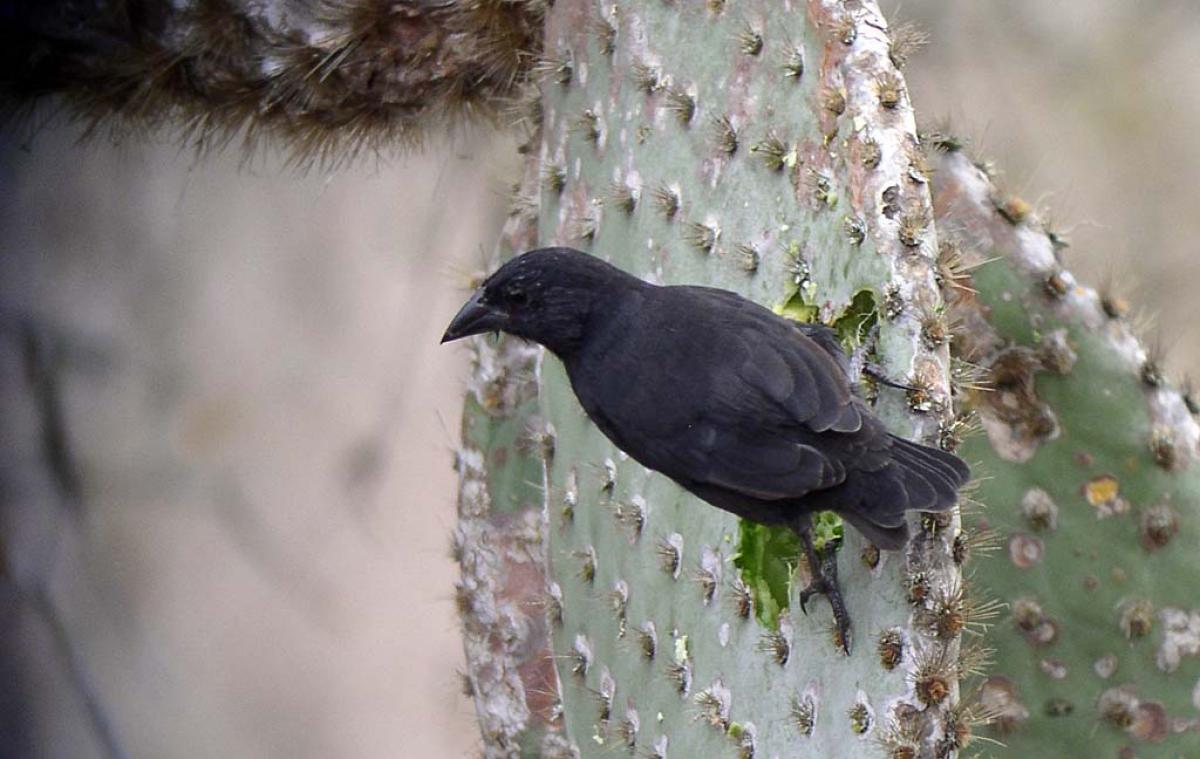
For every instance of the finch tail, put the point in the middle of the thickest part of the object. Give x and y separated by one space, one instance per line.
918 478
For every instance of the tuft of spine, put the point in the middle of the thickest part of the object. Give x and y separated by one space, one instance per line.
324 81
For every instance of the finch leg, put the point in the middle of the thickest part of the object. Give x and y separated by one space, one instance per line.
823 566
875 372
861 366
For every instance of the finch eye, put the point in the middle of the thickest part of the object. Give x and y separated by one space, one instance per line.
518 297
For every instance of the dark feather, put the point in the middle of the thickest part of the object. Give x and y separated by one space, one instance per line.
742 407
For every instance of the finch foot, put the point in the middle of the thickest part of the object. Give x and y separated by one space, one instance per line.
875 372
862 366
823 566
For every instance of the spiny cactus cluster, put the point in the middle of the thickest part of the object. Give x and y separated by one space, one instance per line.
324 80
782 163
1089 473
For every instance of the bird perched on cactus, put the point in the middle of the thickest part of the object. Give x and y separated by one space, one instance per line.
748 410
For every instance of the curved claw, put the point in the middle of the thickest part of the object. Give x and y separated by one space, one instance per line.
815 588
823 565
806 594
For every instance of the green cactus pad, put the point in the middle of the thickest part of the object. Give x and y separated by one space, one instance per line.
767 164
1089 472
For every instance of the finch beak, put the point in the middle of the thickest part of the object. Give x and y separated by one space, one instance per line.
474 318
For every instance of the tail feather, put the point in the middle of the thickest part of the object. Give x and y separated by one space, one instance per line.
947 465
919 478
889 538
938 481
921 485
945 471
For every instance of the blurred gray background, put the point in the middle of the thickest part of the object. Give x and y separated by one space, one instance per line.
239 548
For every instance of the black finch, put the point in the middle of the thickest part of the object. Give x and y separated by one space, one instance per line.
748 410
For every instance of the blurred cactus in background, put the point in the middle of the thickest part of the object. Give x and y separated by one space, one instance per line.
1088 473
326 81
